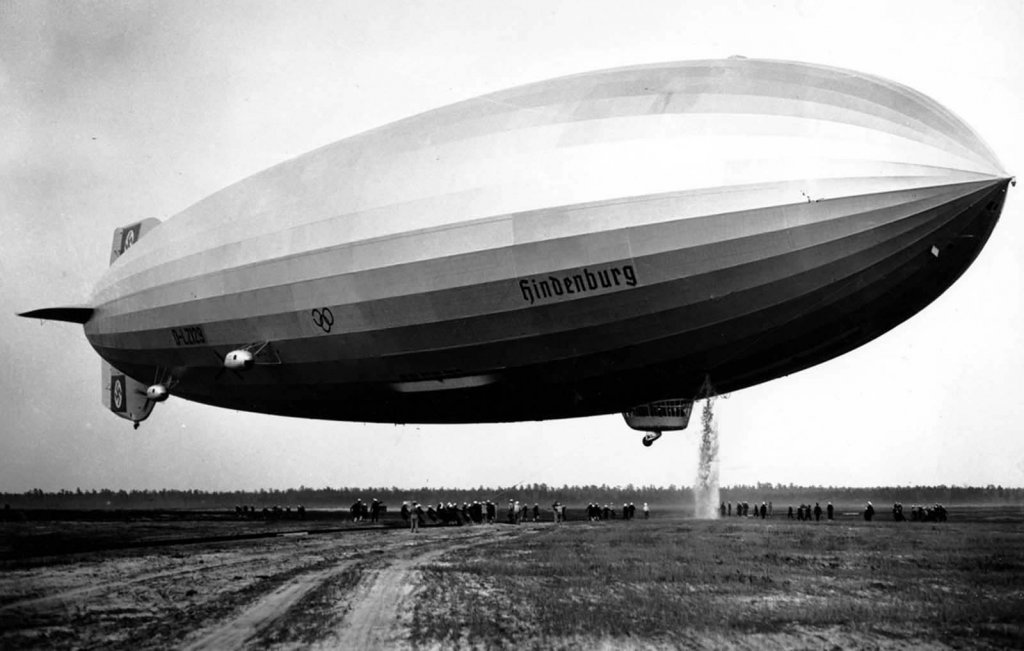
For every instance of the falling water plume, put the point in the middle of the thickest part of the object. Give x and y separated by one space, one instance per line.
705 491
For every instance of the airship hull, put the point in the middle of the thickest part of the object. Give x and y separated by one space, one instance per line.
568 248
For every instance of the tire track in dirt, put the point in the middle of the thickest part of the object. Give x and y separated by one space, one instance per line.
61 598
56 597
276 573
243 629
379 615
237 632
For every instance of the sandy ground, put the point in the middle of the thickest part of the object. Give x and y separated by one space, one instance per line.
334 591
364 589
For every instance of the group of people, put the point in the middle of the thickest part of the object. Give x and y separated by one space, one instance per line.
597 512
804 512
743 510
361 511
480 512
415 514
450 513
519 512
934 513
269 512
486 512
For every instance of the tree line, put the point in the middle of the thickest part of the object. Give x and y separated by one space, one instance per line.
543 494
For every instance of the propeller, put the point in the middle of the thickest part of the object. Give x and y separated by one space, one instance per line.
241 359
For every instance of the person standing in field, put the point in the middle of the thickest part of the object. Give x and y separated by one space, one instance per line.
647 511
414 519
869 512
817 512
830 511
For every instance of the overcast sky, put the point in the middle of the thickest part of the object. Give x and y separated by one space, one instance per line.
113 112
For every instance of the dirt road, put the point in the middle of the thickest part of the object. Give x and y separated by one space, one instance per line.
660 584
349 590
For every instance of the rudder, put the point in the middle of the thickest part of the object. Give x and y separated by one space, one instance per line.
124 396
125 237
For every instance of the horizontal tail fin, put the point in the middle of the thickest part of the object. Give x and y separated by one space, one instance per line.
71 314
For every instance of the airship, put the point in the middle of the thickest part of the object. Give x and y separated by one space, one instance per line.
614 241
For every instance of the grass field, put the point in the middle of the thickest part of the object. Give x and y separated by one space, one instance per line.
746 583
668 582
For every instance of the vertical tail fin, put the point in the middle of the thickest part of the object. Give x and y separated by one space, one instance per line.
126 236
124 396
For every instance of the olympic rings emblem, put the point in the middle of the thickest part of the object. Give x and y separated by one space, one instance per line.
323 319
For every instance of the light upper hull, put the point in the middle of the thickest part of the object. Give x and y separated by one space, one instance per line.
567 248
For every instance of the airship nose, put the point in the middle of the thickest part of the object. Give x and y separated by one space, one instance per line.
955 250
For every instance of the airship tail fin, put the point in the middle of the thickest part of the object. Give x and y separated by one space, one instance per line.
126 236
124 396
